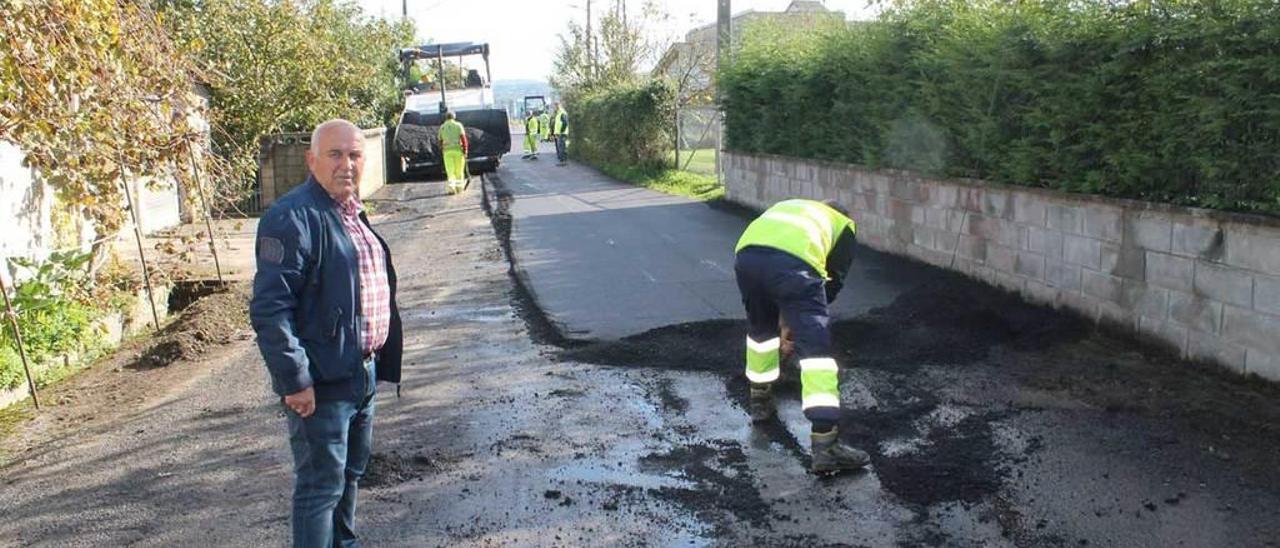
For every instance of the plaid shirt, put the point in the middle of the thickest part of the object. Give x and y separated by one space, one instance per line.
375 293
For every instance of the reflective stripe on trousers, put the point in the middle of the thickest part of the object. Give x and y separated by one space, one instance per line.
762 360
819 383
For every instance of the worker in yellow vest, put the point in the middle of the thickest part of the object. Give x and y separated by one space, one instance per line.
560 133
453 146
544 126
531 131
791 262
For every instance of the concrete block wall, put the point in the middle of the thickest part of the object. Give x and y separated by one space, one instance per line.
282 164
1205 283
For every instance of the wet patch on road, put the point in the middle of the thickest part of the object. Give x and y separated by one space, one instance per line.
722 482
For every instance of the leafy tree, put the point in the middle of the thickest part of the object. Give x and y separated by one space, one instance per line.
610 55
93 91
279 65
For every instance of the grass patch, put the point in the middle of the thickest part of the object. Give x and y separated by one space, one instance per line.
702 160
667 180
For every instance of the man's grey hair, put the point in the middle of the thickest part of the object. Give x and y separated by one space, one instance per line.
324 126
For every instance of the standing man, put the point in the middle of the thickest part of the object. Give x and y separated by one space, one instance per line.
324 309
544 126
560 132
531 131
791 262
453 146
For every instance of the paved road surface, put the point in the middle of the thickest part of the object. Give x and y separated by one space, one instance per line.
607 259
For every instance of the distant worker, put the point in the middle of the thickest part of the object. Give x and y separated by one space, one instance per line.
791 262
531 131
560 132
454 146
544 125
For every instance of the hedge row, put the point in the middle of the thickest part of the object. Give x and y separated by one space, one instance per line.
628 124
1163 100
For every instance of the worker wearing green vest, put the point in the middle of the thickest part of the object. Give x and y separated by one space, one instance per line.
791 262
531 131
560 132
544 126
453 146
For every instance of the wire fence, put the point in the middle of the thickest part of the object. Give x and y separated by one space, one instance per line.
697 140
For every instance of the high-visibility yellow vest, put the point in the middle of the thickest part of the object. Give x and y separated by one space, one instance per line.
806 229
559 126
531 125
451 135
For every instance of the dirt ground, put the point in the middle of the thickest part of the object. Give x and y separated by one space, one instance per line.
990 422
141 369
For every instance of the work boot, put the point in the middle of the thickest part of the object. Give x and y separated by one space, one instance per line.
762 406
830 455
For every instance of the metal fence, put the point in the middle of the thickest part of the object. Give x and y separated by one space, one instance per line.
697 140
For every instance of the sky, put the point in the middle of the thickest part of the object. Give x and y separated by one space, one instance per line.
523 34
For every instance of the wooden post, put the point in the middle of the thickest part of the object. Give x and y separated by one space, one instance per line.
17 336
204 203
142 256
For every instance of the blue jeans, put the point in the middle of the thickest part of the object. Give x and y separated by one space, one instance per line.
561 154
330 452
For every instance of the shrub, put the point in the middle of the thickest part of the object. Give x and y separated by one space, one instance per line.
626 124
55 313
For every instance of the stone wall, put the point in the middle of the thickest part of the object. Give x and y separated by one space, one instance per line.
283 165
1206 283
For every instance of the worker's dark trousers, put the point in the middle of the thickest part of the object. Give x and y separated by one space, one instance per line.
561 154
774 283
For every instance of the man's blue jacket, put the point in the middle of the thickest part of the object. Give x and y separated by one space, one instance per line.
306 300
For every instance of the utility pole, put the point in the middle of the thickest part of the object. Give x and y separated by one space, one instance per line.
591 56
724 38
404 9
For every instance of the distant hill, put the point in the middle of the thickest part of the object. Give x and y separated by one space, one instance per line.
509 92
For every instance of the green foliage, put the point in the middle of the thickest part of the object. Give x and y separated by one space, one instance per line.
628 124
669 181
287 66
1162 100
589 60
56 314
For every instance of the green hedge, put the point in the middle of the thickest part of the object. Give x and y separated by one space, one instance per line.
628 124
1174 101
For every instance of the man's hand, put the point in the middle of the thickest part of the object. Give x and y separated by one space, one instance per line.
303 402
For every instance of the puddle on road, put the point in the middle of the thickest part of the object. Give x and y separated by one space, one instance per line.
608 473
452 314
